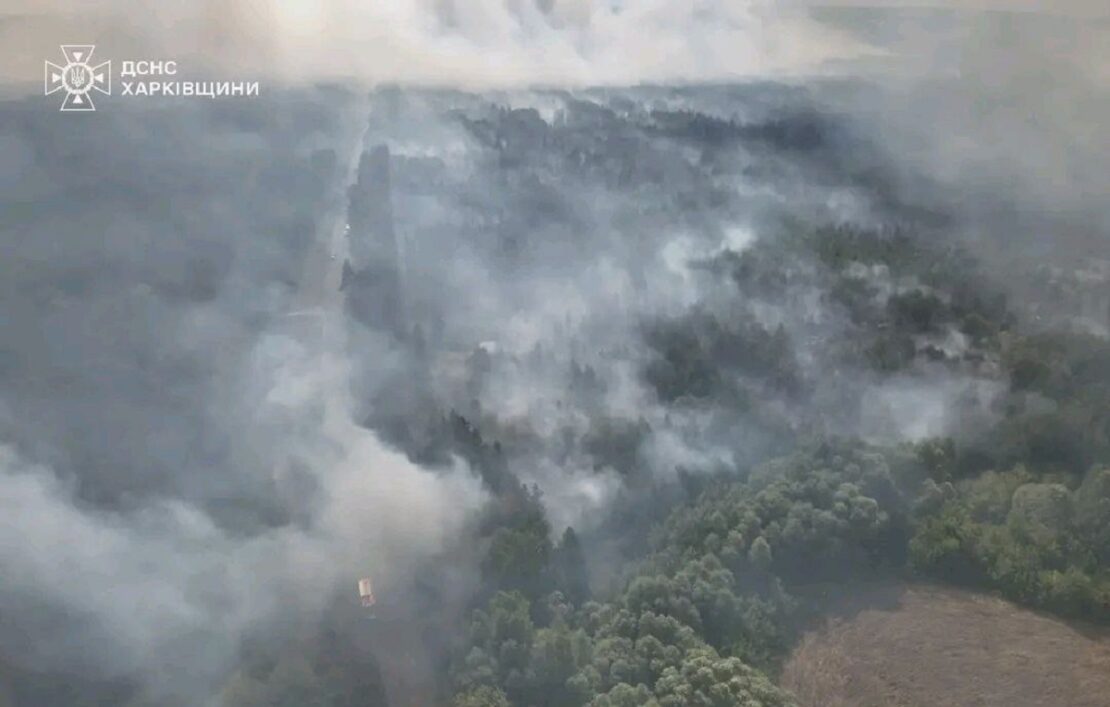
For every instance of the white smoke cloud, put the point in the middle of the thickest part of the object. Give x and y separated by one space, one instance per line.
198 475
162 588
485 43
469 43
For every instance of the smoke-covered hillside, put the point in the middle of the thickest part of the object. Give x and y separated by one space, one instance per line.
574 307
617 285
607 389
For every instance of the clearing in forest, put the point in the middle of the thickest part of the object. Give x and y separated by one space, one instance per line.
923 646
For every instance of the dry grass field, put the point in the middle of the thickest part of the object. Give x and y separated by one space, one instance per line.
922 646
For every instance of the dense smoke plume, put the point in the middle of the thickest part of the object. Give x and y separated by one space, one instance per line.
180 464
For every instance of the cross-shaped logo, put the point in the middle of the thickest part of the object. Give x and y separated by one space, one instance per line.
78 78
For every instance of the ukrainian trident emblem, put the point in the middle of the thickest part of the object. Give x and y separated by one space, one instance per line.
78 78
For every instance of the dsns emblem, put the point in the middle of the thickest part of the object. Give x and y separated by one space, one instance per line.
78 78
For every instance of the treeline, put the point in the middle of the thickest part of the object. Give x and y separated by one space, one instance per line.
741 558
707 617
1036 540
1020 506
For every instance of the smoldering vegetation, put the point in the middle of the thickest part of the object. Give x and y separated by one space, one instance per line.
598 385
617 285
708 332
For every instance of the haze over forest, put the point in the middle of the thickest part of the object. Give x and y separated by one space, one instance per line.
617 343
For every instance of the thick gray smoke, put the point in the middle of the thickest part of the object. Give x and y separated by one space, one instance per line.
993 119
1003 108
555 246
179 460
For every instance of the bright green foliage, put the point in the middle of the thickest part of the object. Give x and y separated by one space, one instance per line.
708 605
707 680
702 679
819 513
703 615
652 659
624 695
1039 543
531 665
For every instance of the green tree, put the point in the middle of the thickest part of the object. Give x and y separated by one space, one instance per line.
519 558
706 680
482 696
759 554
570 567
